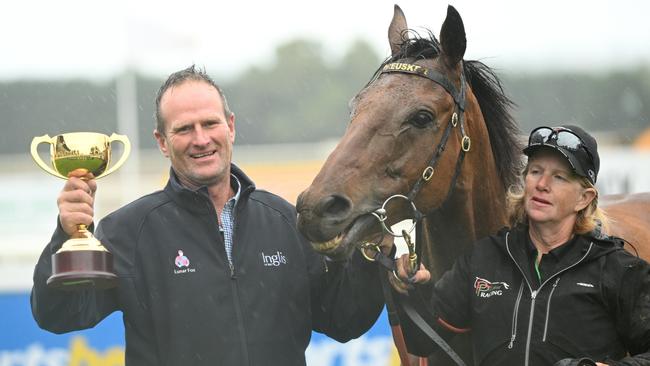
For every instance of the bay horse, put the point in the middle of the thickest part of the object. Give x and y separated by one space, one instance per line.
629 216
401 122
432 128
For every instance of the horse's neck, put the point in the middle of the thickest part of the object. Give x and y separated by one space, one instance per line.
476 209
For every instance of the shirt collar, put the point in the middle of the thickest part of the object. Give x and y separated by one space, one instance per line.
557 252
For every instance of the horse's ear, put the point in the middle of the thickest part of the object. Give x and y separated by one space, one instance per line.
452 37
396 29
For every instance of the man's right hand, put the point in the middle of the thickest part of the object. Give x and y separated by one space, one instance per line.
76 201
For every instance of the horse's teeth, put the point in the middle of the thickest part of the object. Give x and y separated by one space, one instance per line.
326 246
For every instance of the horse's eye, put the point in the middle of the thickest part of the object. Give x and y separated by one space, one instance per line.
421 119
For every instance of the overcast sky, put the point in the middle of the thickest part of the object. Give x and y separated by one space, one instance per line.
97 39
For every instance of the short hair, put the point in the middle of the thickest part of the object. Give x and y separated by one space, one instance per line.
191 73
589 219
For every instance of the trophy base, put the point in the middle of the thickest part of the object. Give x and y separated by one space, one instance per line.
81 269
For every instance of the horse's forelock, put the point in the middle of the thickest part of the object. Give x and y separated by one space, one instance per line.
415 47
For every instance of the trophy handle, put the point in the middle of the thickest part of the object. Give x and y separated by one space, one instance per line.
37 141
125 154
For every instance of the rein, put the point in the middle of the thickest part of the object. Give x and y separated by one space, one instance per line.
457 119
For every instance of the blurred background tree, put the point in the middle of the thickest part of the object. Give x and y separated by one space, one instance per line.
301 97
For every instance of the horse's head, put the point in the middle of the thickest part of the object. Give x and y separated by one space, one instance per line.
406 135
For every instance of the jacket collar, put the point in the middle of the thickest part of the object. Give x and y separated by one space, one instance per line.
517 246
198 200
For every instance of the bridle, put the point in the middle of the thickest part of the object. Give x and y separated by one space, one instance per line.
457 119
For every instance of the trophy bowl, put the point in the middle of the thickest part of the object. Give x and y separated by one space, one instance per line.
82 261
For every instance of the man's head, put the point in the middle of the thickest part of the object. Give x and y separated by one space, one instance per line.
179 77
577 146
197 131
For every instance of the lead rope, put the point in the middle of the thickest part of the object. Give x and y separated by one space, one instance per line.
415 316
393 319
391 309
388 265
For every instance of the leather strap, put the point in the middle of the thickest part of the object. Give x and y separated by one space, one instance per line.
393 317
430 332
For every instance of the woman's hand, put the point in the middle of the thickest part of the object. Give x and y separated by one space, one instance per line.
407 274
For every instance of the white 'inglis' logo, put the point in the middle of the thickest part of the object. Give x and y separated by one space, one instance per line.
274 260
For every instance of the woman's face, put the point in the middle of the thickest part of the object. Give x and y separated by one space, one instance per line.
553 195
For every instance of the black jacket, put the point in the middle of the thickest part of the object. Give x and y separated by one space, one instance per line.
594 303
259 312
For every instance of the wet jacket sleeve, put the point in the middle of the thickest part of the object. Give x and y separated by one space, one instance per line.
445 307
61 311
631 305
346 297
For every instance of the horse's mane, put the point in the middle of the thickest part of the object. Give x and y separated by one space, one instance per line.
495 104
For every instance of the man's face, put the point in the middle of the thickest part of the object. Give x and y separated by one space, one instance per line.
198 137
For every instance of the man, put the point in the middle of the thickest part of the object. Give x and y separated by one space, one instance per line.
211 270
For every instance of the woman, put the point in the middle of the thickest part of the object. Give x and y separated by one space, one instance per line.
551 289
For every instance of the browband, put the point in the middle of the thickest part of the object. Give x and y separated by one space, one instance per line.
432 75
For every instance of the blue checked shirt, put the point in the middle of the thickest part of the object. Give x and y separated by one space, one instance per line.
227 218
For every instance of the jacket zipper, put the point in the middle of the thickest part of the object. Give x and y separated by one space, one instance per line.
533 294
235 290
236 299
548 308
234 230
515 315
223 239
240 321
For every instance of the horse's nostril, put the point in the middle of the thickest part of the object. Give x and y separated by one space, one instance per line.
333 205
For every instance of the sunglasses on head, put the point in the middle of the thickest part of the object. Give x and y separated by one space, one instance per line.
563 138
558 136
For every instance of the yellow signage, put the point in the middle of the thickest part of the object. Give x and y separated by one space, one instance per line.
400 66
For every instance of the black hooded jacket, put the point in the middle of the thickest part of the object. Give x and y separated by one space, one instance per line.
592 301
260 311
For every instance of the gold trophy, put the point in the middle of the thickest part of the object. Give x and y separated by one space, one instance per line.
82 261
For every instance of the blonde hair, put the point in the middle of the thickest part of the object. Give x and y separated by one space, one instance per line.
589 218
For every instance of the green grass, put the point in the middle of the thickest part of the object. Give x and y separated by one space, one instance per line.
67 164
